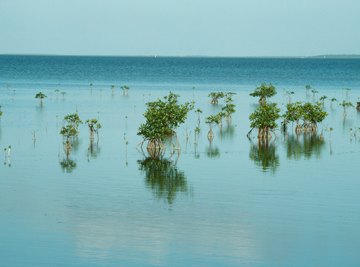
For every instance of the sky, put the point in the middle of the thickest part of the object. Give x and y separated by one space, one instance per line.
237 28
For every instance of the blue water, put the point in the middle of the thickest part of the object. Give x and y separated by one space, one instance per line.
174 71
228 203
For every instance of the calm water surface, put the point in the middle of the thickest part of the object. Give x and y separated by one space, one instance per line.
229 203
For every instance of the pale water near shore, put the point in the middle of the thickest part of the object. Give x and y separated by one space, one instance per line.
228 204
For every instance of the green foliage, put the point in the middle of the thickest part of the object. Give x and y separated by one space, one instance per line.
214 119
294 112
313 113
323 98
40 95
163 117
73 119
215 96
0 111
71 128
346 104
264 91
229 107
309 113
265 116
93 124
228 96
314 91
68 131
225 112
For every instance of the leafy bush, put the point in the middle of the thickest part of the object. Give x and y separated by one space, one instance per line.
264 91
264 118
162 119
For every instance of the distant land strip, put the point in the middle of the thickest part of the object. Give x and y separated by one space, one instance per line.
330 56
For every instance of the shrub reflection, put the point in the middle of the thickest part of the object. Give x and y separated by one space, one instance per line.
163 177
264 155
68 165
305 145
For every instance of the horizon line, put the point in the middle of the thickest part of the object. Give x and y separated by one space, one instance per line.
183 56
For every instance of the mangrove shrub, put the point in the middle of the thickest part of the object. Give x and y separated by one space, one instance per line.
309 114
264 119
163 117
94 126
264 91
40 96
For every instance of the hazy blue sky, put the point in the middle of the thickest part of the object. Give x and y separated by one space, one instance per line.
180 27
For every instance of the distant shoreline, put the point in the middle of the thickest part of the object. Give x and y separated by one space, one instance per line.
195 56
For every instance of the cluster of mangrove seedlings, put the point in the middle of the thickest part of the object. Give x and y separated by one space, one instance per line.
306 116
346 104
125 89
226 111
163 117
70 132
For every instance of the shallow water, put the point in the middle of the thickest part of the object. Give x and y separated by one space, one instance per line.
230 203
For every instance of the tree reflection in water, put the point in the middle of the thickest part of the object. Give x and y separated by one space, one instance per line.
305 145
93 150
68 165
212 151
163 177
228 132
264 155
75 144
